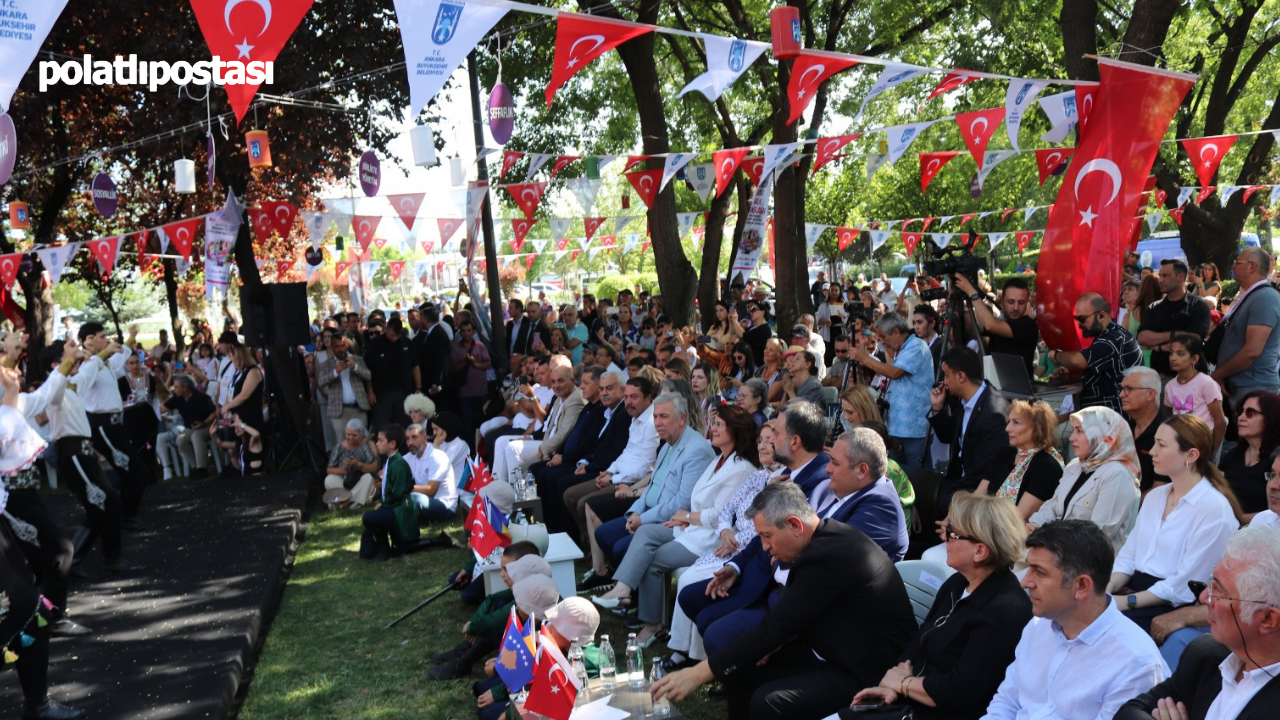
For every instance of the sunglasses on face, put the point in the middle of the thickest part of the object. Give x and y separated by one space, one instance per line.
1249 412
953 535
1082 319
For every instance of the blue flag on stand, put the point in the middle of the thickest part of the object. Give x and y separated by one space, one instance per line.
515 657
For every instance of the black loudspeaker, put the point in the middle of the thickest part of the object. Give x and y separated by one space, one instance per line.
275 314
289 313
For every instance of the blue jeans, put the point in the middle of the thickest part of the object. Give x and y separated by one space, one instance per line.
430 509
1178 641
613 539
913 453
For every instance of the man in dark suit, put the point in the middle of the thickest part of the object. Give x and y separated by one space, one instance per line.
532 332
590 423
431 351
843 620
1234 672
970 415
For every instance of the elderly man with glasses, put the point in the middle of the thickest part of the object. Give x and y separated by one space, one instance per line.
1140 401
1103 363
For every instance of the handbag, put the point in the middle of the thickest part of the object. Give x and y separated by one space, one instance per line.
1213 345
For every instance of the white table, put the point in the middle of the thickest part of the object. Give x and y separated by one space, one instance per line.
561 552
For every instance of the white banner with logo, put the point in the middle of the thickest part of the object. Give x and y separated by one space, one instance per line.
1017 99
727 59
220 231
28 23
753 233
437 36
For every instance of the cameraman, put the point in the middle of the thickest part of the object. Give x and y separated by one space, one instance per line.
910 381
1016 332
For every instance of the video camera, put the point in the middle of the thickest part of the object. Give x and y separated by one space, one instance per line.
955 260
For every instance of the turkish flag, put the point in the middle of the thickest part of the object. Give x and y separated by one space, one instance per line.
583 38
182 234
976 129
1204 193
105 250
1005 215
1176 214
281 214
364 227
528 260
448 226
140 238
340 268
364 255
726 163
484 538
845 236
753 167
1249 191
283 267
634 160
520 228
1049 159
406 206
261 221
428 246
527 196
247 32
1161 196
553 691
954 79
9 265
608 240
930 164
967 217
396 267
910 239
592 224
1206 153
924 228
646 184
1086 95
809 70
379 242
509 158
826 148
1086 237
563 162
1024 237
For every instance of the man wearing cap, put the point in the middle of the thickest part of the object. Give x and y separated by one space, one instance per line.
801 380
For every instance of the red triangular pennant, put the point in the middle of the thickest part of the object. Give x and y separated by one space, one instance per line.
1176 214
1204 193
509 158
9 265
583 38
976 129
527 196
753 167
910 240
1024 238
726 164
1160 197
406 206
106 250
428 246
1249 191
140 240
845 236
966 218
448 226
395 267
575 255
562 243
1005 215
826 148
927 222
182 234
520 228
1050 159
340 268
282 214
930 164
952 81
1206 154
808 71
646 184
379 242
563 162
283 267
261 222
528 260
364 227
592 224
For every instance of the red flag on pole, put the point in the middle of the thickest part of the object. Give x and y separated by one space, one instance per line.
976 129
826 148
646 184
1206 154
9 265
809 70
726 163
930 164
554 688
1086 95
583 38
1086 237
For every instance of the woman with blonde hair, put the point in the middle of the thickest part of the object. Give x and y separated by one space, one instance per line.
705 380
246 394
677 367
771 370
858 405
1037 467
1182 528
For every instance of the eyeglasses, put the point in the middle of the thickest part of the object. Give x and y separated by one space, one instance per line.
1249 412
1270 476
1211 596
1126 389
1082 319
953 535
718 424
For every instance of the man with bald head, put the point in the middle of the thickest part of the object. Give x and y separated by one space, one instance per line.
1103 363
513 452
1250 347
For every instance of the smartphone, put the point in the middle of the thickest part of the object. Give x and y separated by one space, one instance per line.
870 704
178 365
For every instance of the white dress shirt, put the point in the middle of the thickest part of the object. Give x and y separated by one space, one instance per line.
67 417
35 402
638 456
225 378
97 386
348 392
544 395
1052 678
434 466
1235 695
1266 518
1183 546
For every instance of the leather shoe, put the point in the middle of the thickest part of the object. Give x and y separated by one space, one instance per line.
449 671
66 627
451 654
120 565
607 603
718 691
50 709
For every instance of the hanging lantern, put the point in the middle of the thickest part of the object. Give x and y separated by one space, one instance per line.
259 147
184 176
423 141
19 219
785 24
456 173
502 113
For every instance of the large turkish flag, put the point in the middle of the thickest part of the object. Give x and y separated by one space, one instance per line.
1087 234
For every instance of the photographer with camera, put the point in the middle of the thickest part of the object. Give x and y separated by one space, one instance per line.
910 377
1015 332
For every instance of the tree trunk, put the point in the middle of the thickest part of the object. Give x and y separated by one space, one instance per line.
171 296
712 245
1148 27
1078 22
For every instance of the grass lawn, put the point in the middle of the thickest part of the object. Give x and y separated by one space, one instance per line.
327 655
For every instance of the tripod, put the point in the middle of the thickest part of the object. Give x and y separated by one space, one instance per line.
956 302
286 414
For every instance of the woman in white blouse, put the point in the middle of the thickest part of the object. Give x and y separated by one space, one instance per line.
1101 483
735 529
1182 528
677 543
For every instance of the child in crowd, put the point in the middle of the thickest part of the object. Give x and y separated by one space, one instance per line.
648 334
1191 390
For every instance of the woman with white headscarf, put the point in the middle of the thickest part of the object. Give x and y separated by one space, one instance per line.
1100 483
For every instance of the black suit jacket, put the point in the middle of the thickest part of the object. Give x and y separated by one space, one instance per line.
611 444
1196 683
584 432
844 599
984 452
433 355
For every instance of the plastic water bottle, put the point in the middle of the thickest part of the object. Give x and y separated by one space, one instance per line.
635 662
579 665
608 664
660 707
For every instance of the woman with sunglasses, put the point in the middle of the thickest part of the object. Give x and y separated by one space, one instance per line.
1258 425
954 665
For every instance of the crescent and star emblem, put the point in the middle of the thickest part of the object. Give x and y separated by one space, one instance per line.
1112 171
1052 159
645 185
727 167
410 208
364 226
244 47
181 234
832 146
804 86
932 163
555 688
286 212
573 57
974 124
527 191
1209 146
1088 103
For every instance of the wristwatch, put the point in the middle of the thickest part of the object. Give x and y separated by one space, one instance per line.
1133 601
976 296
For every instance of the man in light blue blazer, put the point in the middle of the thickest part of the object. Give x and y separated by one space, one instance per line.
685 454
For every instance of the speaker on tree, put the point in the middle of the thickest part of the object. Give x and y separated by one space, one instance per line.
275 314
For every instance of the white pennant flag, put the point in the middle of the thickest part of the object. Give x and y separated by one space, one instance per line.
559 227
990 160
1275 194
1027 213
776 156
813 231
1017 99
1153 220
594 251
55 259
878 238
1061 110
420 268
945 218
164 240
901 136
889 77
674 162
1184 194
539 245
941 239
996 238
874 163
28 24
604 162
621 222
181 266
311 269
702 178
985 214
686 222
317 224
584 191
474 197
891 224
536 161
632 242
1228 191
585 243
727 59
437 36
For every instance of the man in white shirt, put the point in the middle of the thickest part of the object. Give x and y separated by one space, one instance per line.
1079 657
97 383
435 489
1231 675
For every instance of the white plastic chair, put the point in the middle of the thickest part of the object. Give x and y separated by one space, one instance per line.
923 579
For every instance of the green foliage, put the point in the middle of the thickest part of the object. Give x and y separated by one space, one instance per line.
999 279
1229 289
133 301
610 286
71 295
